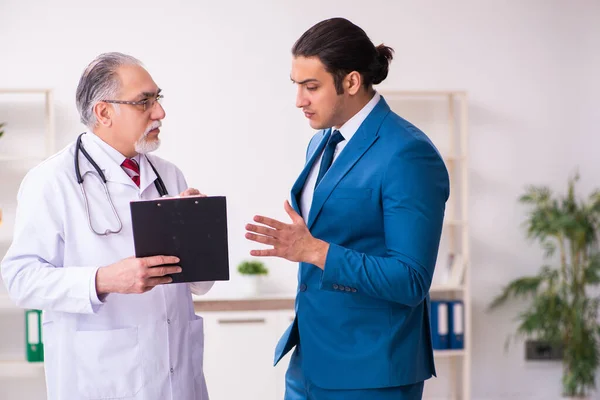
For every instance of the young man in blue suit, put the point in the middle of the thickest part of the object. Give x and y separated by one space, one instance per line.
366 218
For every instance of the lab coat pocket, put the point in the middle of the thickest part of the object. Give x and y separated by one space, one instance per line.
108 363
196 330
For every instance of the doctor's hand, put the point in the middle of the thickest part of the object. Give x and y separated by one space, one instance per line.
290 241
135 275
191 192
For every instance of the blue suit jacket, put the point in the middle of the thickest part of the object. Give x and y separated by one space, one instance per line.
363 321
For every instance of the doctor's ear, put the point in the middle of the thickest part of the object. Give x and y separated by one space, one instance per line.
104 113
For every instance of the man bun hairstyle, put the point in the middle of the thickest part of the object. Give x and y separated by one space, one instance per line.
343 47
381 65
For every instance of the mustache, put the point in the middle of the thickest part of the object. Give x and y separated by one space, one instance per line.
154 125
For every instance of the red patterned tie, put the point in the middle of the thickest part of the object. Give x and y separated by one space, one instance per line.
132 169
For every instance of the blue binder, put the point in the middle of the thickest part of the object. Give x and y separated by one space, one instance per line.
439 325
456 318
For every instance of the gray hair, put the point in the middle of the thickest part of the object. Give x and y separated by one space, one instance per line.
100 82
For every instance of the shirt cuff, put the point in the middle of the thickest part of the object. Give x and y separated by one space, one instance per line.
200 288
94 298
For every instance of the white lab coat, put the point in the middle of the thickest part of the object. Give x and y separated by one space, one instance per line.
131 346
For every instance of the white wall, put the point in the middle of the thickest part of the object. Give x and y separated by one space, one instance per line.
530 67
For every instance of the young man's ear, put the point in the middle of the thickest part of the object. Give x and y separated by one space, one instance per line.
352 83
103 113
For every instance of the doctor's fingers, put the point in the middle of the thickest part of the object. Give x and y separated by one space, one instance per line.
162 280
158 260
162 271
191 192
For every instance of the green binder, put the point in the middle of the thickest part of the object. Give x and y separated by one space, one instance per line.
33 336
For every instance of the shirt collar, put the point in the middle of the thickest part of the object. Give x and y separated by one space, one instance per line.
113 153
147 174
106 158
351 126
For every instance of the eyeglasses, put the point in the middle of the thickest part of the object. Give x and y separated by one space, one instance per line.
147 103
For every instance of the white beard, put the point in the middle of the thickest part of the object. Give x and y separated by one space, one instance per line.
143 145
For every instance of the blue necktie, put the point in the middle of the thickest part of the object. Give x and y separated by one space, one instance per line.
327 159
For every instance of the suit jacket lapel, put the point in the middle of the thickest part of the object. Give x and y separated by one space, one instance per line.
362 140
297 188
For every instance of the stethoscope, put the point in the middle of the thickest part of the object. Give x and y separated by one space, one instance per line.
158 182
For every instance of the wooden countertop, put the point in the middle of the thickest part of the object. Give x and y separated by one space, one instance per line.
259 303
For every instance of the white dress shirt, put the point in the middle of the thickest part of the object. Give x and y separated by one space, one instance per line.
347 130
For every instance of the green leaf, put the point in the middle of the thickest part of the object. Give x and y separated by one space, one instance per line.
252 268
592 272
521 287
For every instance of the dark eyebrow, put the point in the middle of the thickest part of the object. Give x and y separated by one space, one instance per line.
150 94
305 81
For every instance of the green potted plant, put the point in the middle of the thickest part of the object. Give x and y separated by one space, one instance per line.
252 273
562 311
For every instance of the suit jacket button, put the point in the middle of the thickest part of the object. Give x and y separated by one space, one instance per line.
348 289
354 290
335 286
303 288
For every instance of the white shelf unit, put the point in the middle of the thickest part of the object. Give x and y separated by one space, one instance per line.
50 142
446 113
9 367
7 306
21 369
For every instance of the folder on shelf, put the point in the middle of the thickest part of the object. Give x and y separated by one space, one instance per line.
33 336
457 324
439 325
192 228
456 269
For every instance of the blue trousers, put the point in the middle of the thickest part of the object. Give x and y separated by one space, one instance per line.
297 387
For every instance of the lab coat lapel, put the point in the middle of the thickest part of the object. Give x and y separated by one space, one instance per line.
147 175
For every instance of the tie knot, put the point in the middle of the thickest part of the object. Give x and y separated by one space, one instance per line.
336 137
131 165
131 168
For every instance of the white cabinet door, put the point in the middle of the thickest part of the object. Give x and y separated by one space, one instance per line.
238 355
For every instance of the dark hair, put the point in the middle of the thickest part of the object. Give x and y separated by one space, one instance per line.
344 47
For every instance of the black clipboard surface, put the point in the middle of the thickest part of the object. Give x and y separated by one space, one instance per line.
192 228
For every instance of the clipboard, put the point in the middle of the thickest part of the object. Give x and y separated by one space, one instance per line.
192 228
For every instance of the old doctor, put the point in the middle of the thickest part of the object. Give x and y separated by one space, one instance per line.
113 328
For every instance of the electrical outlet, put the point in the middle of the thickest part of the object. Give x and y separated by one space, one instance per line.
536 350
